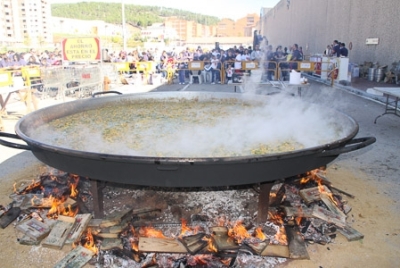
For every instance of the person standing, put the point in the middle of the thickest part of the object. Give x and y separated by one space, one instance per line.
336 49
343 50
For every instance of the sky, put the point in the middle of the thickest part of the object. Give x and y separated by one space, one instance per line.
219 8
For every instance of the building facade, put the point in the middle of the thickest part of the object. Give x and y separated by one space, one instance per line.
367 27
243 27
25 23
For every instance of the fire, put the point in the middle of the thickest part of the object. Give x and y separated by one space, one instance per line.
210 245
29 188
275 218
57 207
185 228
258 233
87 241
239 232
74 185
151 232
280 236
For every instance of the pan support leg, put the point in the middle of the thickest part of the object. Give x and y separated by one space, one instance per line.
263 202
96 187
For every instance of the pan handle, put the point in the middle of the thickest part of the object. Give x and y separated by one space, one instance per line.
106 92
352 145
11 144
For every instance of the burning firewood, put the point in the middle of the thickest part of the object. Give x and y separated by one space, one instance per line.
116 218
222 240
34 229
80 225
59 233
297 246
155 244
193 243
76 258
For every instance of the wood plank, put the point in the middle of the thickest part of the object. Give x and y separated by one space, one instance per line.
297 212
276 251
34 229
9 216
312 194
193 243
76 258
110 243
328 216
297 246
116 218
167 245
59 234
80 225
350 233
332 206
221 239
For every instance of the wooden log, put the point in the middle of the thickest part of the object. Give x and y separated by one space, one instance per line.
59 234
34 229
297 246
110 243
80 225
328 216
350 233
9 216
280 251
162 245
193 243
297 212
116 218
259 247
332 206
221 239
312 194
76 258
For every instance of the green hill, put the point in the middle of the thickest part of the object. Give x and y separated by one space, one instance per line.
134 14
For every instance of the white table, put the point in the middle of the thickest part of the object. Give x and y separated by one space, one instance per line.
391 106
286 84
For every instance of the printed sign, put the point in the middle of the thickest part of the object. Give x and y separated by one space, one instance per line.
81 49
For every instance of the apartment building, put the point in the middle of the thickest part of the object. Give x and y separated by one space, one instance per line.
243 27
25 23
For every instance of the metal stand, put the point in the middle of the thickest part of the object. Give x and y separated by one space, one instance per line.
96 187
263 202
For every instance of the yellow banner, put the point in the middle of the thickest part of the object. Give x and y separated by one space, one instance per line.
81 49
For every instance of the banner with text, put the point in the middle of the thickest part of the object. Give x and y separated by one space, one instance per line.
81 49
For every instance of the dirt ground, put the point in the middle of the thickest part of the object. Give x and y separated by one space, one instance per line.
371 215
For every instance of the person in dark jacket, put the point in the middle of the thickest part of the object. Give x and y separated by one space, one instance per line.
343 50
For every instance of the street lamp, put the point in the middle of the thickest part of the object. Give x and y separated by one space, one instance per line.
123 24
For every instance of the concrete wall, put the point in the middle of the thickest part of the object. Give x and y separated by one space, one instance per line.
314 24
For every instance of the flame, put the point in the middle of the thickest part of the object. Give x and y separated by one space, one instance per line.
89 242
151 232
34 184
210 245
74 185
275 218
298 220
185 228
280 236
133 239
258 232
57 208
239 232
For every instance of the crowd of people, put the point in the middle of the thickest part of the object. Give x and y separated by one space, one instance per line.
214 61
14 60
337 49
